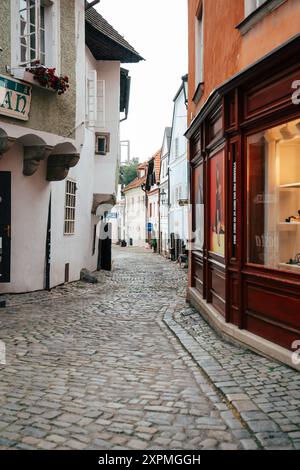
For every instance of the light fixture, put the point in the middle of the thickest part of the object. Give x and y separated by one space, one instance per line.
163 196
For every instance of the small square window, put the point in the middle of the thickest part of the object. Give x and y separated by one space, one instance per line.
102 144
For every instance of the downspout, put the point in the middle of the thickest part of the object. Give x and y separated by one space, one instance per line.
159 250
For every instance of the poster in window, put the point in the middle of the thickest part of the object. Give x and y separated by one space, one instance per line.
198 208
217 204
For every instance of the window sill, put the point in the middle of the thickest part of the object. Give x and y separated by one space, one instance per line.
198 93
20 73
257 15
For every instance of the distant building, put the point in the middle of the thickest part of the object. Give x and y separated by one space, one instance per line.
117 218
153 202
135 208
164 193
178 175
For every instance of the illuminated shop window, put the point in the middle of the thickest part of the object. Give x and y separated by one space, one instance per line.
273 193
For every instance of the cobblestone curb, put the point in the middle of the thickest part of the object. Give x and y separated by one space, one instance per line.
264 433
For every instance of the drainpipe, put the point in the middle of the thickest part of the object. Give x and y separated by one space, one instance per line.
158 218
143 188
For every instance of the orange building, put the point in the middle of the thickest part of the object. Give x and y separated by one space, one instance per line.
244 150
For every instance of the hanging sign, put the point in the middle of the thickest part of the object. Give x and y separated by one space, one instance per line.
15 98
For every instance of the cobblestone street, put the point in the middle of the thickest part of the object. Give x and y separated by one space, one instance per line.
126 364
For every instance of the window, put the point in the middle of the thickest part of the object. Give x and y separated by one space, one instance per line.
95 100
178 193
199 47
252 5
36 32
273 197
217 203
102 143
70 204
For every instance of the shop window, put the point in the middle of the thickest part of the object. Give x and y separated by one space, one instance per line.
198 209
70 205
217 204
273 193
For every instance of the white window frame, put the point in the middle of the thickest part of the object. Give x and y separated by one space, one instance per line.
95 100
252 5
52 35
70 207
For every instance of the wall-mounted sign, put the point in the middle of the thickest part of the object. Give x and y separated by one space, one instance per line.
112 215
15 98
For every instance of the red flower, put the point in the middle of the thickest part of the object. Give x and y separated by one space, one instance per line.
47 78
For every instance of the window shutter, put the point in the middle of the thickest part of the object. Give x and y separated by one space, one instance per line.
100 103
92 98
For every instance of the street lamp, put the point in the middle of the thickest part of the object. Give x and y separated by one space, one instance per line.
163 196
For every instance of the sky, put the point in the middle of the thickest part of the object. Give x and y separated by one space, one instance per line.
157 29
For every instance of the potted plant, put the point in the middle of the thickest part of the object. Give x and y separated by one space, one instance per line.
47 78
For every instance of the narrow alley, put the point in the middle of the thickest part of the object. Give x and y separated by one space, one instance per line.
127 364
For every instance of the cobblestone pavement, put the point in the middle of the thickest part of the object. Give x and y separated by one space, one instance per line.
125 364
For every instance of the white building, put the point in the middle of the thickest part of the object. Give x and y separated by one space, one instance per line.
153 201
117 218
178 174
135 208
164 193
59 161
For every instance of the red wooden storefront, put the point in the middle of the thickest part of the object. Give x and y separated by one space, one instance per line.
244 148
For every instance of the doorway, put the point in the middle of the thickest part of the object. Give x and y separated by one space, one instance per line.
5 225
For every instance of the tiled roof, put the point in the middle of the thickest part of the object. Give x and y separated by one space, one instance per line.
157 165
138 181
97 24
135 183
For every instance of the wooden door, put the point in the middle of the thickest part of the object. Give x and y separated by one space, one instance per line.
5 225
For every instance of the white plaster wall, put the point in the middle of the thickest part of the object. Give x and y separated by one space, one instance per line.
29 209
76 249
106 166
